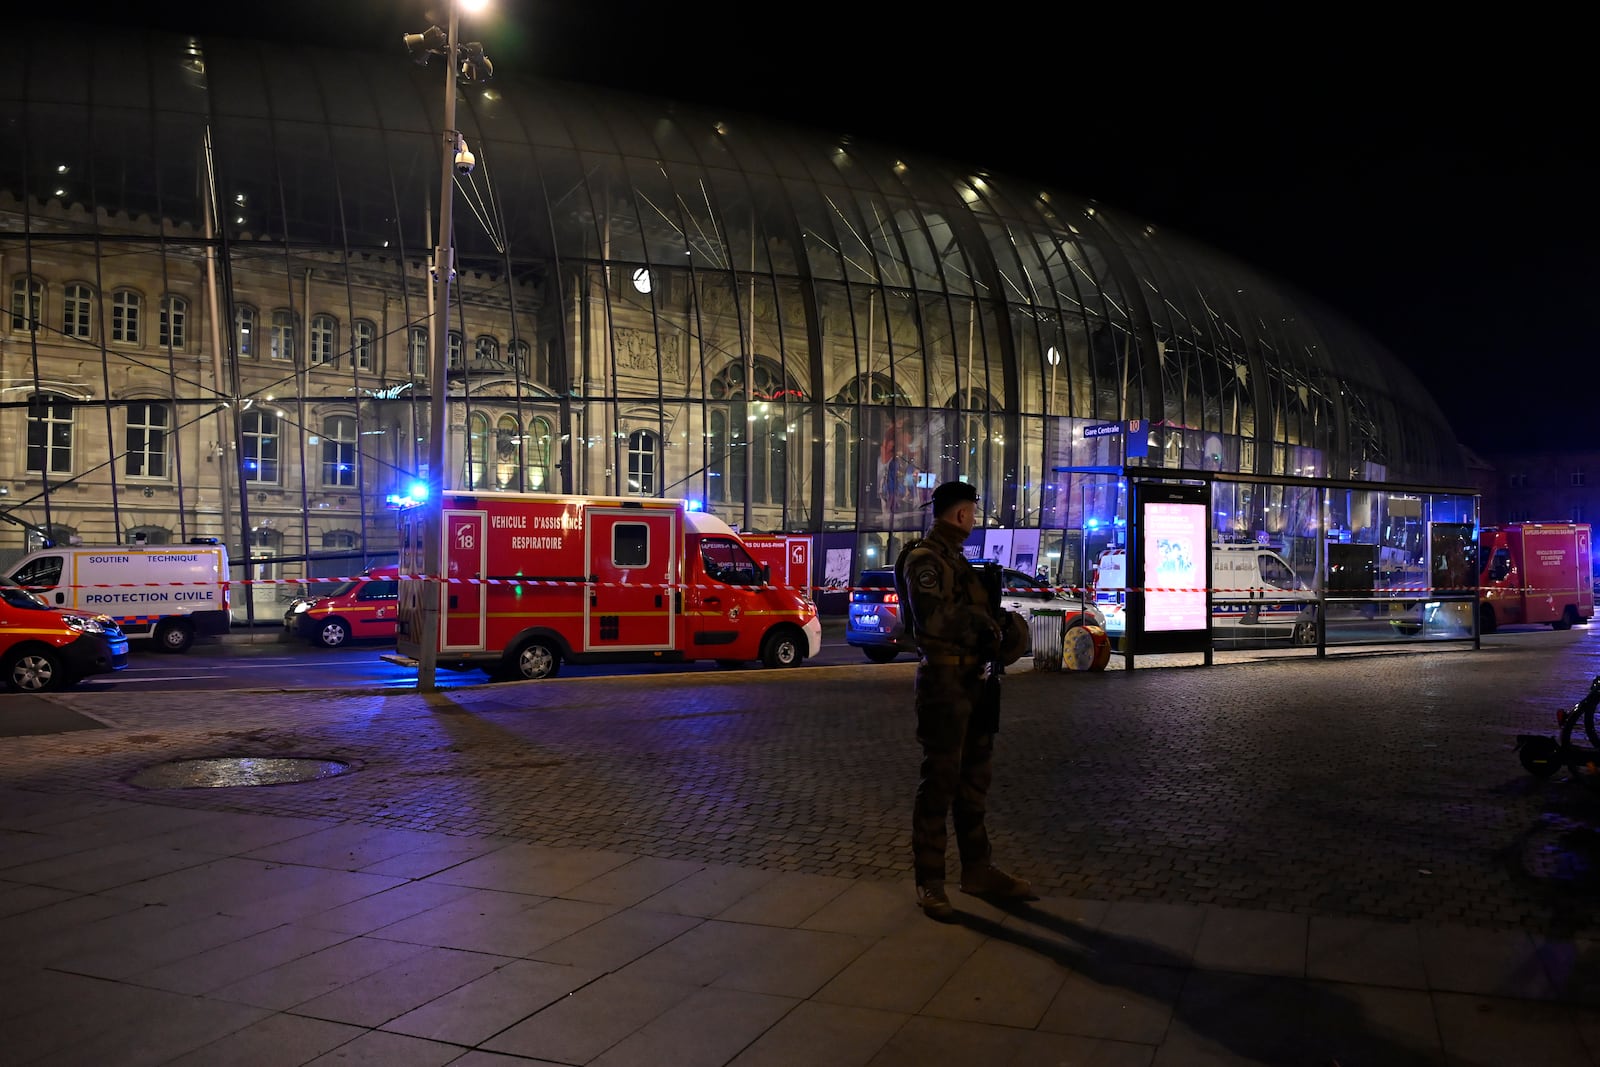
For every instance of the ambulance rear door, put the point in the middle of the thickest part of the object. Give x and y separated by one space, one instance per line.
465 548
632 553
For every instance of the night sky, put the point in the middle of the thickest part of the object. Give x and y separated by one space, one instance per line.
1434 182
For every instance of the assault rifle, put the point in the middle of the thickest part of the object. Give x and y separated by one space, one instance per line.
987 710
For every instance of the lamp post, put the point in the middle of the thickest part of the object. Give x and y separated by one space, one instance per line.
469 63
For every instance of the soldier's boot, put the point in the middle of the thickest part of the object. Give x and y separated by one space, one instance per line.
990 881
933 901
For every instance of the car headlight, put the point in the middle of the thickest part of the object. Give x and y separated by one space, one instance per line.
298 606
84 625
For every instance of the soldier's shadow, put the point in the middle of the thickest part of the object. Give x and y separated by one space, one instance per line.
1262 1019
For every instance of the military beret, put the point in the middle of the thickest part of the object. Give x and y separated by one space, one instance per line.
949 494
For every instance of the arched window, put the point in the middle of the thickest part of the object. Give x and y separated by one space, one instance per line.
486 348
146 442
507 452
324 339
875 391
767 382
477 472
27 304
172 322
536 445
126 308
260 460
149 535
339 451
50 429
244 330
642 447
77 310
283 339
362 336
417 352
750 436
973 450
518 352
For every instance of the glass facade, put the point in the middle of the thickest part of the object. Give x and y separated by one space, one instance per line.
802 334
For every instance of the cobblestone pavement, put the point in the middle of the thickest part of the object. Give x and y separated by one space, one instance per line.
1379 785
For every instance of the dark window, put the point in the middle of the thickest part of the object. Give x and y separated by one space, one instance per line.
44 572
726 560
630 544
49 435
146 455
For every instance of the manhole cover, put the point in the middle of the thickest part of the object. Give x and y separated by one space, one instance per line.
235 770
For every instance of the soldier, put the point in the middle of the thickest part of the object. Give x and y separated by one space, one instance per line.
960 639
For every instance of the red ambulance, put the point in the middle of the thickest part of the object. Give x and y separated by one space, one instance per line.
533 580
1535 572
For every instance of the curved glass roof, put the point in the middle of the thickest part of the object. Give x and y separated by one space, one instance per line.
619 232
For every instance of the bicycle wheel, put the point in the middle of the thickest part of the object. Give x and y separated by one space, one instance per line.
1582 763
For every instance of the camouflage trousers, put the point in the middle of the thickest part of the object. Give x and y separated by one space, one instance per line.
956 769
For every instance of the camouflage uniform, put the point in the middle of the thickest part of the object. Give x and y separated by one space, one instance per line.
955 635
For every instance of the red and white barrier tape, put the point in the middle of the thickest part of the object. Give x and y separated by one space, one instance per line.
1067 590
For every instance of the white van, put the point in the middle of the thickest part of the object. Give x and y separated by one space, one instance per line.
170 593
1255 595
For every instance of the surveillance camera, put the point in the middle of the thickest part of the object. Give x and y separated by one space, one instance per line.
465 160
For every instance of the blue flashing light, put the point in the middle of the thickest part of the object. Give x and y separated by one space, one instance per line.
694 505
416 493
1094 524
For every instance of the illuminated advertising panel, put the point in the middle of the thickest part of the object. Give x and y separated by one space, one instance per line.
1174 540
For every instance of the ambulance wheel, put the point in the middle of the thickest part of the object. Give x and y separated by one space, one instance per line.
782 648
880 653
174 635
1568 617
333 633
535 659
35 670
1486 619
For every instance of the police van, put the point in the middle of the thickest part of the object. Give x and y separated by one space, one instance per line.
165 593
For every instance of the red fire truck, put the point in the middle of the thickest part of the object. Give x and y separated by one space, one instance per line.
1535 572
532 580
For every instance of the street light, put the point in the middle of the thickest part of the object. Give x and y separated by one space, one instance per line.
468 64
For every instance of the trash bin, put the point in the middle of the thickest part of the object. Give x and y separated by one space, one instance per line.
1045 625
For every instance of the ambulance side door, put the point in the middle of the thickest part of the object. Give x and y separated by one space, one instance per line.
631 553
